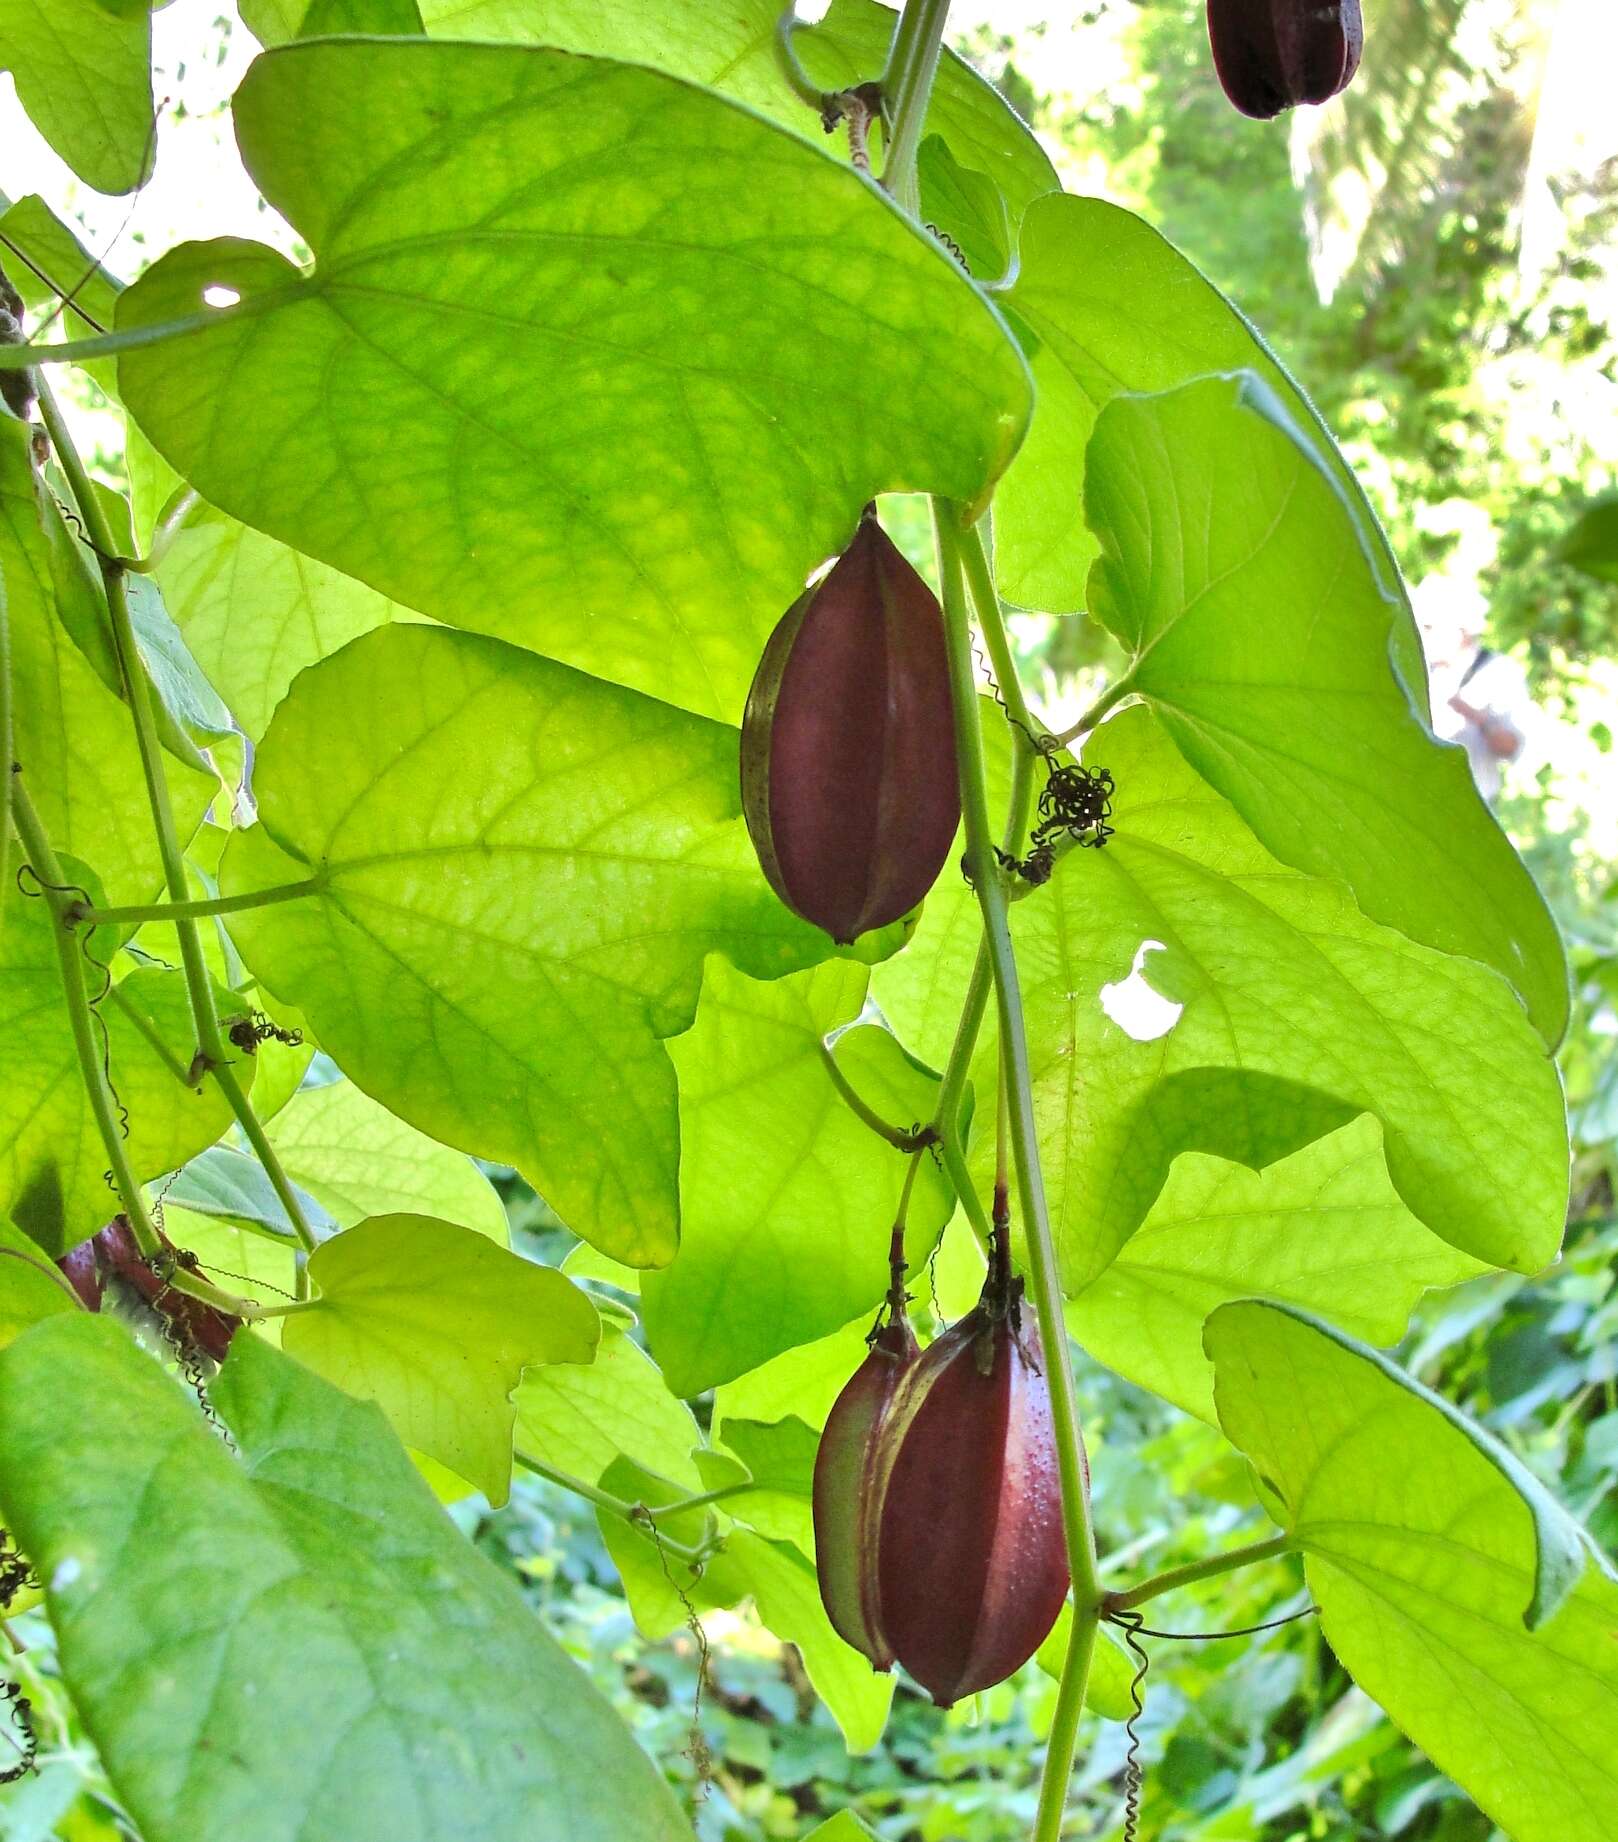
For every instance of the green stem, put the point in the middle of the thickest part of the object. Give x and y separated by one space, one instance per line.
253 1130
1193 1571
205 1017
1114 694
897 1136
636 1514
703 1500
792 72
139 912
80 1017
907 86
1040 1249
1059 1748
130 339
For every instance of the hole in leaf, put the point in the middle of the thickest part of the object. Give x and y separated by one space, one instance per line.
216 294
1132 1004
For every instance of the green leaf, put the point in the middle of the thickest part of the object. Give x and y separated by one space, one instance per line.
731 49
778 1463
1591 541
232 1186
520 869
787 1595
843 1827
786 1198
200 1598
967 204
1235 574
664 1590
1323 1229
1112 307
73 738
1286 1014
468 388
802 1382
83 74
31 1288
436 1324
51 1154
1424 1541
582 1418
383 18
51 263
356 1159
255 612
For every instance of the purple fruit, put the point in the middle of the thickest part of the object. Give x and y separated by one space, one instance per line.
848 744
1273 54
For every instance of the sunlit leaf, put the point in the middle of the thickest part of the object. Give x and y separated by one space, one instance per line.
531 269
1324 1229
30 1287
1450 1584
256 612
82 73
73 738
356 1159
581 1418
436 1324
1113 307
787 1198
52 1157
1235 575
1267 1011
295 1640
520 870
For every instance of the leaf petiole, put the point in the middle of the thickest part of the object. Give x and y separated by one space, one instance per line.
139 912
897 1136
1195 1570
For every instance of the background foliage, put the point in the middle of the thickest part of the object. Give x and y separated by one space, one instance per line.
1464 358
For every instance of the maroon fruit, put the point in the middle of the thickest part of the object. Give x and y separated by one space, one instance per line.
848 744
79 1264
850 1469
196 1327
1273 54
972 1564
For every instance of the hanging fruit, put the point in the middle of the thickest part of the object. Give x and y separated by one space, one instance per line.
1274 54
848 744
937 1498
850 1469
972 1563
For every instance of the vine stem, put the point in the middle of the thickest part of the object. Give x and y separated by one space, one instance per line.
1040 1250
205 1017
907 84
636 1514
1193 1571
81 1020
138 912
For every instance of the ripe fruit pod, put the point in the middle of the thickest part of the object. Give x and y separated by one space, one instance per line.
1273 54
850 1466
972 1564
848 744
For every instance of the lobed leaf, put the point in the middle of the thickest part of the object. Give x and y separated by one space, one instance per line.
436 1325
1107 306
787 1199
1323 1229
1452 1587
519 872
532 267
1266 1011
1236 576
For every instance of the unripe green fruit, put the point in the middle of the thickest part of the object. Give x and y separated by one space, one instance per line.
848 744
